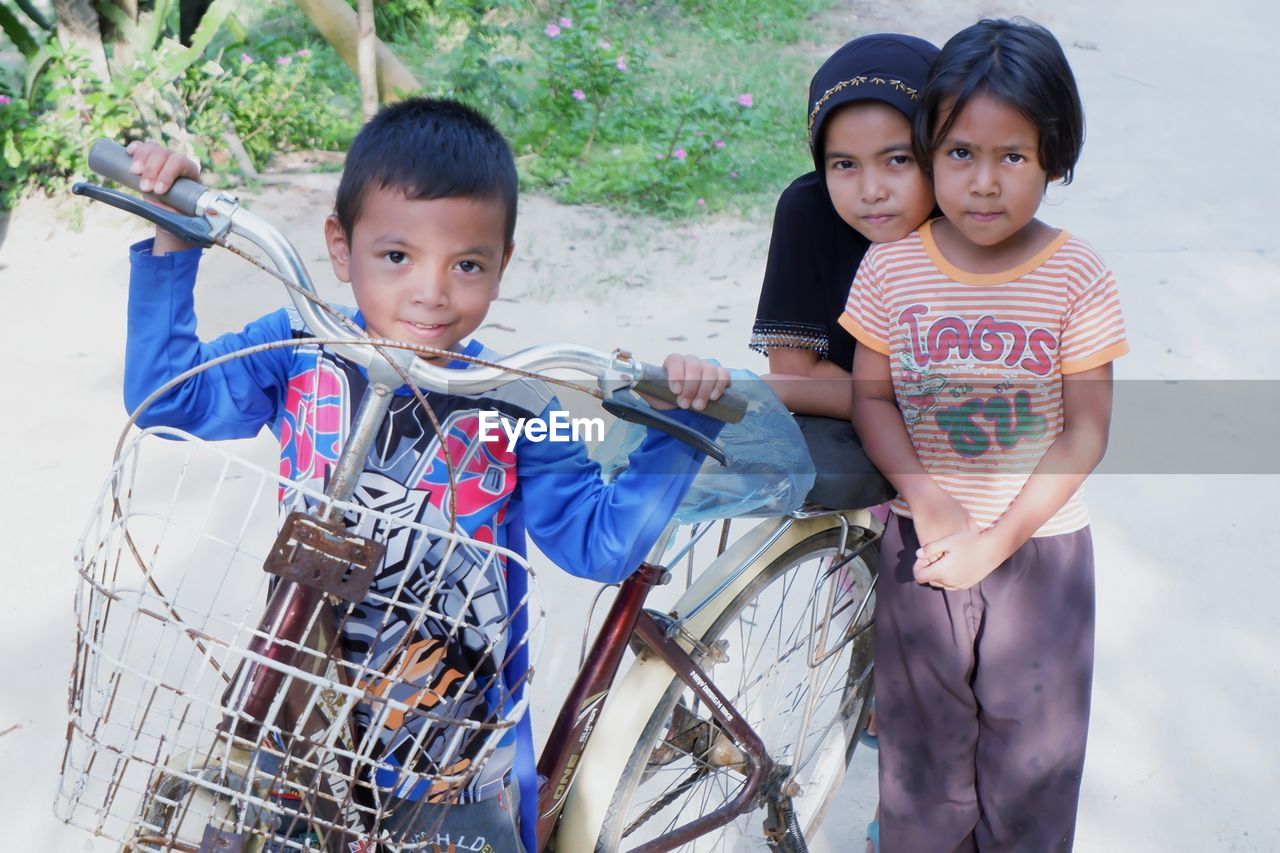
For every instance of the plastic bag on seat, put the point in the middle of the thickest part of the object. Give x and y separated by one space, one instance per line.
769 471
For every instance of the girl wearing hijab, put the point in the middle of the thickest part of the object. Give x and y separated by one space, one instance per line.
866 187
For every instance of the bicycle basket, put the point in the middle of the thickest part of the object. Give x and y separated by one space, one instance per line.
384 711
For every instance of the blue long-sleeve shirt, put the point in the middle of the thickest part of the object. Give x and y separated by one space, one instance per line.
308 396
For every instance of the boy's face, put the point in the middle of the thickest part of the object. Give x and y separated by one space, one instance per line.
423 271
875 183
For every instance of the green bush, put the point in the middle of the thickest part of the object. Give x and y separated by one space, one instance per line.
273 101
45 138
616 110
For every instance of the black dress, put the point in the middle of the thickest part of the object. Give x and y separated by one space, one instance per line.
813 254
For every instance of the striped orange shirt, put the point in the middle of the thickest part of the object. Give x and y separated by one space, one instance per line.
977 359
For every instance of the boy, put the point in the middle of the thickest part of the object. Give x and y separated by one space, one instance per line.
423 230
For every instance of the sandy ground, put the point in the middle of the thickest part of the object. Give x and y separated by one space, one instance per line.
1177 189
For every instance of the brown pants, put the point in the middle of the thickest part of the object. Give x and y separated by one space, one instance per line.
982 699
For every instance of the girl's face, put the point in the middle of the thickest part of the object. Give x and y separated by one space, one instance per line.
986 173
874 181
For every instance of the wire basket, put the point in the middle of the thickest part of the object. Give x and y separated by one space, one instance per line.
382 712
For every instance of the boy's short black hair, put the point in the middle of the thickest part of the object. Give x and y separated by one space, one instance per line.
428 148
1020 63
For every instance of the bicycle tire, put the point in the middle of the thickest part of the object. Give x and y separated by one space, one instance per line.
659 745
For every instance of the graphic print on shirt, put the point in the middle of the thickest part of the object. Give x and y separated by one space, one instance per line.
315 418
988 341
920 389
445 642
997 370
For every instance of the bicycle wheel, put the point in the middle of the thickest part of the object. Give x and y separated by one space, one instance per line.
758 651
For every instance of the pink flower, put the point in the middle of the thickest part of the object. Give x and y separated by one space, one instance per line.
566 22
246 59
552 31
733 174
621 64
305 53
679 154
702 202
5 100
719 143
579 95
283 60
745 100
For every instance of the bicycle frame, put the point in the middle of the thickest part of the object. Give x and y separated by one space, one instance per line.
576 721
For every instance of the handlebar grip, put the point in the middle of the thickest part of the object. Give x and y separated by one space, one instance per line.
730 408
112 161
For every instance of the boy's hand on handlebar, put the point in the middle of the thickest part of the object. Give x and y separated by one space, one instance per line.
693 380
158 168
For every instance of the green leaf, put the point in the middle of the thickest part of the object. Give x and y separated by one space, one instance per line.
17 33
116 16
176 64
35 15
238 33
159 15
12 157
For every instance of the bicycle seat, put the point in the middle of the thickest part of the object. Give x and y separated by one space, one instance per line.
846 479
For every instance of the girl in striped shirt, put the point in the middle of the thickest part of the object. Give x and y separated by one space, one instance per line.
982 390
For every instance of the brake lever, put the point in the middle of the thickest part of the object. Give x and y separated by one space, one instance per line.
625 405
193 229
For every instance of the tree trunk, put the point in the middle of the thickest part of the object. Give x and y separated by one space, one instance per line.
78 27
337 22
367 58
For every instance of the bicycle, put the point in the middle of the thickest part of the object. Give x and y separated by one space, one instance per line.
604 773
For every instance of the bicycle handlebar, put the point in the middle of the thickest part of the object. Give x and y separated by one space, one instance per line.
112 161
223 213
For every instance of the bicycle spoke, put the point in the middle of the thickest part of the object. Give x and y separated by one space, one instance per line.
666 800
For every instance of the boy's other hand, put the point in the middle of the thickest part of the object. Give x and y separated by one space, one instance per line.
157 169
693 380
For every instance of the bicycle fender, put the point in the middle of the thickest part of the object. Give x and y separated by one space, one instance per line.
636 694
